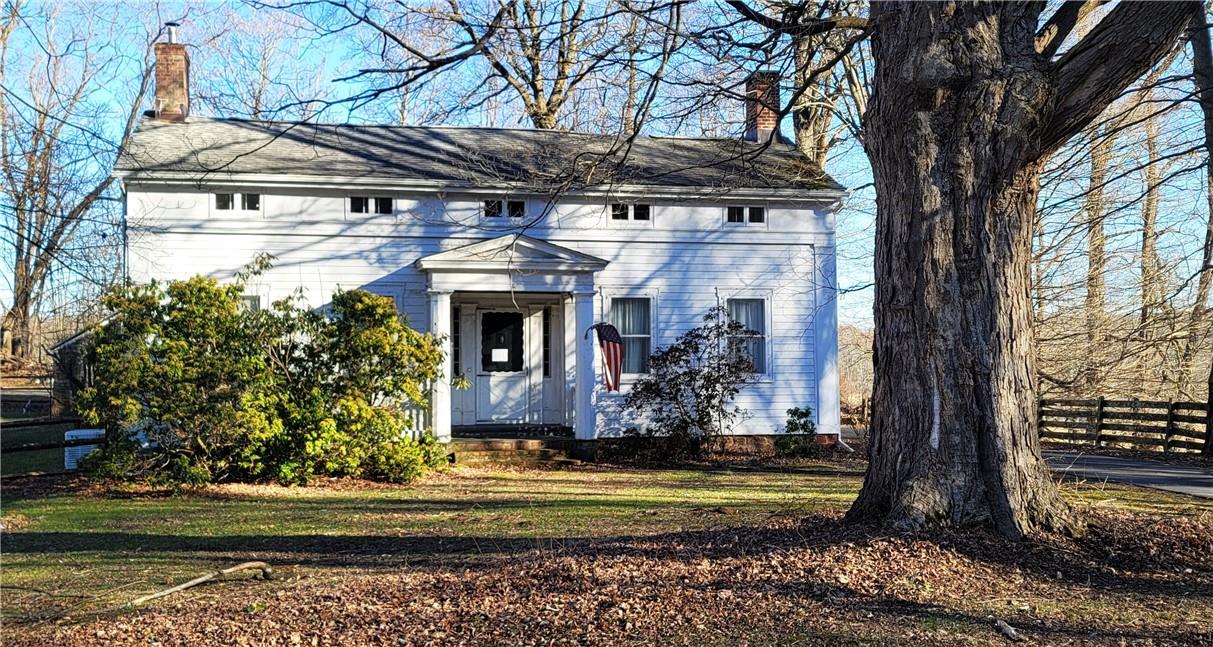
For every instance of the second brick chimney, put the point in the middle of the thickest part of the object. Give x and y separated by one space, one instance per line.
172 78
761 105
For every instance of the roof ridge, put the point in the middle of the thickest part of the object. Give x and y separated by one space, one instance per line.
566 131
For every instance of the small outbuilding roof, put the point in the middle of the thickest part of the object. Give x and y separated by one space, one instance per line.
518 159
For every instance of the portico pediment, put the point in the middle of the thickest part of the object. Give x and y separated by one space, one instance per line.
512 252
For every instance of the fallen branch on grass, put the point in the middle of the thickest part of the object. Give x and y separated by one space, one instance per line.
266 574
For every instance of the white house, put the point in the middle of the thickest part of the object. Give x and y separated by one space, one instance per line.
510 244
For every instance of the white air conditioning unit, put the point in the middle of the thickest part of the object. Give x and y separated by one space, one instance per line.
72 455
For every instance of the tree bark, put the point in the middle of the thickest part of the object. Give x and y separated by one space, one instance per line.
1202 68
963 114
1202 76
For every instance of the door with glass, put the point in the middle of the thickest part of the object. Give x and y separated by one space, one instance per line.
503 368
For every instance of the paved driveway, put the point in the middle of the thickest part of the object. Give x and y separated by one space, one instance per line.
1153 474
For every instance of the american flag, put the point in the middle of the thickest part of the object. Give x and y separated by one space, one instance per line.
612 354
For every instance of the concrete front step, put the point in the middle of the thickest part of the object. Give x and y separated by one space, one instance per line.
509 444
532 452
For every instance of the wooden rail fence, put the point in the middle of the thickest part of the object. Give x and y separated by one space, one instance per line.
1149 424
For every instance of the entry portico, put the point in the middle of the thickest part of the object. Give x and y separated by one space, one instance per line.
517 308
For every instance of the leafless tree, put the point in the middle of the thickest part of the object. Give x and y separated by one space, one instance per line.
60 223
542 56
249 65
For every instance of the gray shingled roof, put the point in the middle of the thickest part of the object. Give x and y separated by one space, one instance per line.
474 157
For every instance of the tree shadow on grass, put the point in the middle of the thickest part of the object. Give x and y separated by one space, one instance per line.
1119 564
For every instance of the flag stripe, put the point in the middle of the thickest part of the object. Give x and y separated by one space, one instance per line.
611 344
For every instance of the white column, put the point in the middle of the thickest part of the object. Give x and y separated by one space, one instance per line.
569 364
440 400
583 402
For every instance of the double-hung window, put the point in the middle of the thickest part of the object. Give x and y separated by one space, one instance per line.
750 313
632 316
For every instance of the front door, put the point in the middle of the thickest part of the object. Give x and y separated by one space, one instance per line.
503 375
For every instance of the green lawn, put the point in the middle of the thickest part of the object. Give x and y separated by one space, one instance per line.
24 462
74 554
140 541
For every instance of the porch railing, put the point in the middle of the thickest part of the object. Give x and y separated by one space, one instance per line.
421 419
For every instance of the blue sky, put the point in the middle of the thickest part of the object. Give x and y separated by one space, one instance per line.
219 32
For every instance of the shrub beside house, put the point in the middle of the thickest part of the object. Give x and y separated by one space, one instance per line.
195 387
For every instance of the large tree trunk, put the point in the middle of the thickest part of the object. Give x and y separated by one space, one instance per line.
1202 69
1202 72
963 113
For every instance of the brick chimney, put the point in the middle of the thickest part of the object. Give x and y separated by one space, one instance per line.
172 78
761 105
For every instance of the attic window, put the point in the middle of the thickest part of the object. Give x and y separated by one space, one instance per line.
637 212
363 204
247 201
740 215
498 208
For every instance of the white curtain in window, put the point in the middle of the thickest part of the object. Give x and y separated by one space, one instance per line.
632 318
751 313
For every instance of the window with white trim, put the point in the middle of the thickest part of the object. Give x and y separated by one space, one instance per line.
631 212
633 317
247 201
364 204
751 313
745 215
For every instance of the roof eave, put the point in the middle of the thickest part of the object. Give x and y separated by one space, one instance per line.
622 190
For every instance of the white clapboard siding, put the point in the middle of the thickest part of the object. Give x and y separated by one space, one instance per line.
687 258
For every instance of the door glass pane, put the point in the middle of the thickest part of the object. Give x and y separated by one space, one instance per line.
456 342
547 341
501 342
